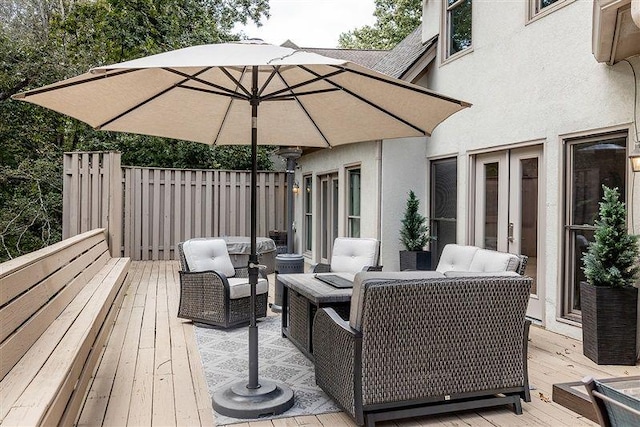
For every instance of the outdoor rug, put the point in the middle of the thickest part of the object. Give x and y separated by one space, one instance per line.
224 355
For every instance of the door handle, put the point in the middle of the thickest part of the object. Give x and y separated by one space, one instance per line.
510 232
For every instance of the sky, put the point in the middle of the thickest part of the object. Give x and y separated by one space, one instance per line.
312 23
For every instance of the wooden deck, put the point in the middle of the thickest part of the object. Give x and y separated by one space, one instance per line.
151 373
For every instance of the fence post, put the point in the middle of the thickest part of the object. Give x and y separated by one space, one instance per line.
114 212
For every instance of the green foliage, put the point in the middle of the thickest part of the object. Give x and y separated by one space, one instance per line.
414 233
613 258
395 19
44 41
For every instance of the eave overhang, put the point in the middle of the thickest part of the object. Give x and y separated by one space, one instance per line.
616 30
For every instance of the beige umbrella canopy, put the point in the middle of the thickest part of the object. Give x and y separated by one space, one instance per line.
211 94
200 94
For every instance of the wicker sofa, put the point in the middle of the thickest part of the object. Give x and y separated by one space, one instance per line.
415 345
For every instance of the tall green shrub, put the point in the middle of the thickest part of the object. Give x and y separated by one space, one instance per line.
613 257
414 232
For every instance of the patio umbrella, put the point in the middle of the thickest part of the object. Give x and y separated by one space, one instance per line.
212 94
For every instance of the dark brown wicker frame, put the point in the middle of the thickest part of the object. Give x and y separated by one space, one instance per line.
204 297
427 347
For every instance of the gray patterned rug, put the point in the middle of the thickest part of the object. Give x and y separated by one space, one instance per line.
225 353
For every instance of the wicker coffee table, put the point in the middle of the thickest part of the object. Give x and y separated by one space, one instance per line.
303 295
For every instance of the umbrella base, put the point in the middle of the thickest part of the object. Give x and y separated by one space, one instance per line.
238 401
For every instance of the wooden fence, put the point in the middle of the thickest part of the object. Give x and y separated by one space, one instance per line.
158 208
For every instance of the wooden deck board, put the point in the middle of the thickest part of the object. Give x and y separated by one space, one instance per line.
151 372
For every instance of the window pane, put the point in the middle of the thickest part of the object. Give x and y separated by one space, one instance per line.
460 27
491 206
594 164
308 218
354 227
580 240
444 194
354 192
308 201
545 3
529 217
444 201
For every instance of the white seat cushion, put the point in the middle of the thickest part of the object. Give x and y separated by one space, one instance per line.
491 261
239 287
456 257
208 254
351 255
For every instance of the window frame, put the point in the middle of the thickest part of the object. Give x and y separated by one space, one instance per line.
567 312
535 11
307 201
447 56
349 212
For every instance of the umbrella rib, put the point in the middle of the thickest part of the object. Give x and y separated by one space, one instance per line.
234 80
311 92
414 89
370 103
79 82
146 101
205 82
213 92
305 110
308 82
276 70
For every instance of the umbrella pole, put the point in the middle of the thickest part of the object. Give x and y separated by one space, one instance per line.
255 398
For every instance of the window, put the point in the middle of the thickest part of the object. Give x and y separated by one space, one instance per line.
353 218
308 216
444 205
457 26
590 163
539 8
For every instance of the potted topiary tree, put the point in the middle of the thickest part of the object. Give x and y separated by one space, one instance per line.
414 235
609 299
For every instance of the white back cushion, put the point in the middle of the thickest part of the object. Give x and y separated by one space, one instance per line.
465 274
491 261
350 255
208 254
456 257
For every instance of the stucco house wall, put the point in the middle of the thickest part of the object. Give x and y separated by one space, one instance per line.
365 155
535 82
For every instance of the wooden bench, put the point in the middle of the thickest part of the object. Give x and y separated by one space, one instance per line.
57 308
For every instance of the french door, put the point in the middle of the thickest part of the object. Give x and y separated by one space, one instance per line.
508 204
328 214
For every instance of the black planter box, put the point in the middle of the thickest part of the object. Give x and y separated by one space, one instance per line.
415 260
609 324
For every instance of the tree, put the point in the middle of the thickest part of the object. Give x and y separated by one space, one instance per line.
43 41
414 231
613 257
395 19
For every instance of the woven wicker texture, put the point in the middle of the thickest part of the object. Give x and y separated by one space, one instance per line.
430 338
298 315
204 298
334 360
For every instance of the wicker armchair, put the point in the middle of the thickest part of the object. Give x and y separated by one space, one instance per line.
351 255
612 406
417 347
212 291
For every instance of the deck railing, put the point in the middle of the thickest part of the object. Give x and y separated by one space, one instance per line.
148 211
